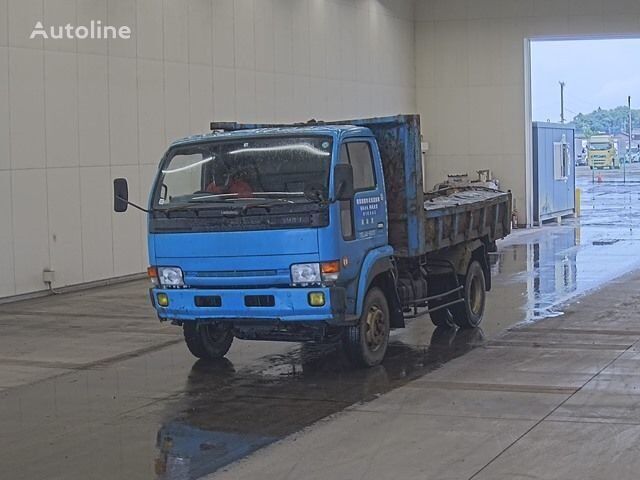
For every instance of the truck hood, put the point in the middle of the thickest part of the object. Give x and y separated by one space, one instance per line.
235 258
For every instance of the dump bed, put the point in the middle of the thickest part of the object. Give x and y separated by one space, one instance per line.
455 215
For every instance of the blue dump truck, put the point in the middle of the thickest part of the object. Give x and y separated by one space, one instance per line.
314 232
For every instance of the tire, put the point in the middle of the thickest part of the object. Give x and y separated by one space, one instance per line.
469 313
206 340
442 318
366 343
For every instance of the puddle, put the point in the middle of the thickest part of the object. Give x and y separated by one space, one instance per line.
227 412
552 265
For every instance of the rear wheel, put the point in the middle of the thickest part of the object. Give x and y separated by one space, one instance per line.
206 340
468 314
366 343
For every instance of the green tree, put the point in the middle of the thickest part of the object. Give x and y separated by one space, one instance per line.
612 121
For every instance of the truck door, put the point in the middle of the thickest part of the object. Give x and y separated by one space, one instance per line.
363 219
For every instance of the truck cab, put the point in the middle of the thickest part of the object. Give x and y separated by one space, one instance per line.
603 152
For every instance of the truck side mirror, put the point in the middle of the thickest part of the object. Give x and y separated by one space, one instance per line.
343 181
120 195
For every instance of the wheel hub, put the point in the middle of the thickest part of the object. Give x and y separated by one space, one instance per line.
375 328
475 296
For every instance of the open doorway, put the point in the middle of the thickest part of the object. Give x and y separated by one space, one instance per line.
582 135
589 91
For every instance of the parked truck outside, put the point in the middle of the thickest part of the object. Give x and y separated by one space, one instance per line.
603 152
316 232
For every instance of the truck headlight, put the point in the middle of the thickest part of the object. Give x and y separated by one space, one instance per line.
305 273
170 277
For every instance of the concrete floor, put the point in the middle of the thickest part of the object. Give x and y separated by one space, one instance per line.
558 399
92 386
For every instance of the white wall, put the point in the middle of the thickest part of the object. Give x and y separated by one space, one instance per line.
470 76
76 114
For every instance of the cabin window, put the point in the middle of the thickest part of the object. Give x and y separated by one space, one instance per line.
360 158
561 160
346 212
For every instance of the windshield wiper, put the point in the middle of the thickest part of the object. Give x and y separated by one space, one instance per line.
313 194
229 200
216 197
191 206
267 205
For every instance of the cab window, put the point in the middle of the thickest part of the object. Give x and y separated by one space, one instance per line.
358 155
346 213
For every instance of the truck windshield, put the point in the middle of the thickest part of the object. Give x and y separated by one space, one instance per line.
599 146
222 171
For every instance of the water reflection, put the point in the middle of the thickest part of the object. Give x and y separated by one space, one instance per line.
548 268
224 413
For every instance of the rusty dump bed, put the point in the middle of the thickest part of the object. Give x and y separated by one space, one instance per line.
458 214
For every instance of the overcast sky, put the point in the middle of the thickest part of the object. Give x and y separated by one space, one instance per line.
598 73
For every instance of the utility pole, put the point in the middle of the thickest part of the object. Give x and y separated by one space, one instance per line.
628 144
562 84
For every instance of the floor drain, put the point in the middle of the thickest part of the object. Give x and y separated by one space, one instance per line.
606 242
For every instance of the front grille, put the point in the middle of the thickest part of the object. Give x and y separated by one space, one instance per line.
233 273
208 301
259 301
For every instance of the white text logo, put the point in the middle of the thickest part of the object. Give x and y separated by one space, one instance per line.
95 31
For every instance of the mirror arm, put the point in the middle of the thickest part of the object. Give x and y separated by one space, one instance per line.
133 204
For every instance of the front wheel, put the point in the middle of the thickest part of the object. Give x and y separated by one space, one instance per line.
366 343
468 314
206 340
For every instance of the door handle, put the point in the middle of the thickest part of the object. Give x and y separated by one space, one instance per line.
380 224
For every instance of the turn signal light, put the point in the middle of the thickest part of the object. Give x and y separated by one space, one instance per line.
152 273
316 299
330 271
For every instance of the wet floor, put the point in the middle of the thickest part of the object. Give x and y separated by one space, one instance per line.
564 262
160 414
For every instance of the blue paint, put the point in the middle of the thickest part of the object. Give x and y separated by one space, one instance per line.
370 259
291 305
234 264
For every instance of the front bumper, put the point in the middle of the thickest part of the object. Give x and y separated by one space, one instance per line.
287 305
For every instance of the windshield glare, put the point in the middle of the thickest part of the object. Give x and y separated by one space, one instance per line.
227 171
